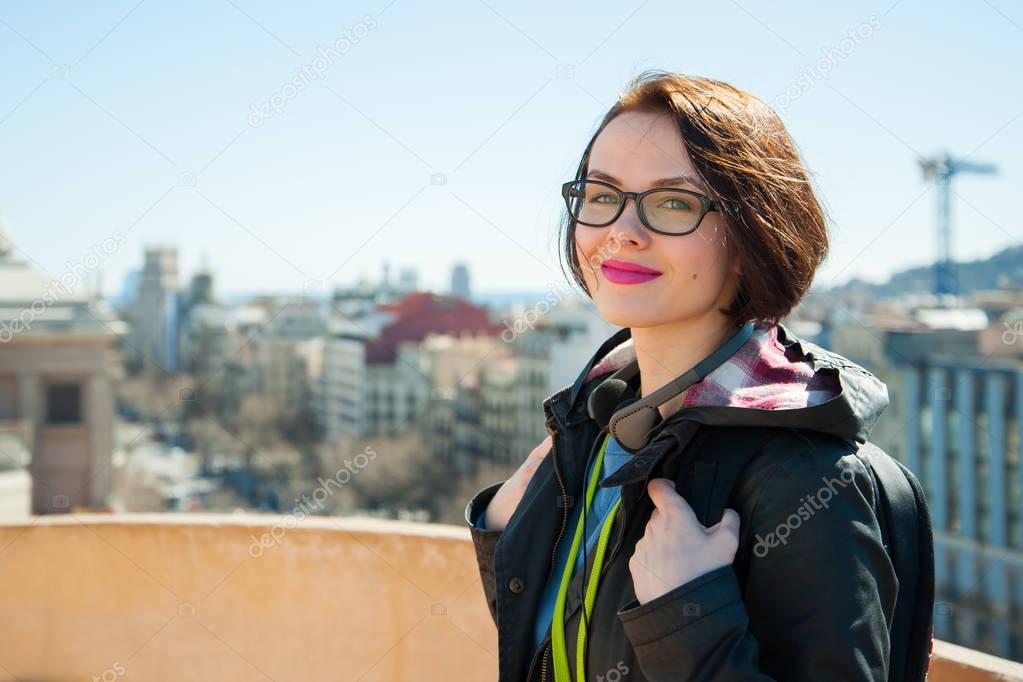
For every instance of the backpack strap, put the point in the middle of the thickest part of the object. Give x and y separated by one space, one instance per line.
708 480
713 479
910 545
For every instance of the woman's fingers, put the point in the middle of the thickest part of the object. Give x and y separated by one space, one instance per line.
541 450
729 524
667 500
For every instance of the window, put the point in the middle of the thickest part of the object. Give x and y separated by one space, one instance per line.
64 403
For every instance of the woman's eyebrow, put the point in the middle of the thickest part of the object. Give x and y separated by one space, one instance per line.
663 182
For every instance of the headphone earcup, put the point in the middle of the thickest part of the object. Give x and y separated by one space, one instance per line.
630 425
605 400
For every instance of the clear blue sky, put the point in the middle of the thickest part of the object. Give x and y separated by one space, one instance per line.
136 117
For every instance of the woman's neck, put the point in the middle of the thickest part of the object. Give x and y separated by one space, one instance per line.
667 351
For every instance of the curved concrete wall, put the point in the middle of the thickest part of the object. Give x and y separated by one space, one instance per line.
181 597
209 597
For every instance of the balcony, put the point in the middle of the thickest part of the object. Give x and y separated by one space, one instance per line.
210 597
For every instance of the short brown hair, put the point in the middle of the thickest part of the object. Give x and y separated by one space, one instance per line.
751 166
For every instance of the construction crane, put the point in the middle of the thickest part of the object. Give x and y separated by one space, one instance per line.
941 169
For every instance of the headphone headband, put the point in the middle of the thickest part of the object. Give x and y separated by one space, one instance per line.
630 422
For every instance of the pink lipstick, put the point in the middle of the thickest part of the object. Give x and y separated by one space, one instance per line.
624 272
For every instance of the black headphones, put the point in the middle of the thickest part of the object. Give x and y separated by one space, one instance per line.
631 420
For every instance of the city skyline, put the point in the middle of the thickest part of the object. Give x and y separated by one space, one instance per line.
111 125
283 314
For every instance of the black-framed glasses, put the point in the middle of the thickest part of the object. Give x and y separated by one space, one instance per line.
669 211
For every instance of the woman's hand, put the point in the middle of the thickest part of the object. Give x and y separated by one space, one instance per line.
676 547
506 499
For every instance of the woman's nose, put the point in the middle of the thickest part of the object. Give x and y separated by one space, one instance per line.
629 226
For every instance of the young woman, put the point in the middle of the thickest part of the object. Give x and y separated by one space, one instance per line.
692 221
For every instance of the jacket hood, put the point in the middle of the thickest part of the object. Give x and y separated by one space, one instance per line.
774 379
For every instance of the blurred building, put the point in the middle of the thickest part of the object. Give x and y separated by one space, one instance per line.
373 382
511 415
408 280
154 313
460 282
215 344
200 289
494 412
58 366
289 356
956 421
453 425
962 417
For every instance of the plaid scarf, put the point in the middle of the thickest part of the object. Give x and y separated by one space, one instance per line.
760 375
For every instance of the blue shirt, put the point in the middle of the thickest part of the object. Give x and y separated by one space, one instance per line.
603 500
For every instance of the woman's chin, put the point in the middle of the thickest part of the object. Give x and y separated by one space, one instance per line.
626 314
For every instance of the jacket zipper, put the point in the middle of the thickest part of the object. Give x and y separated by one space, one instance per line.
564 496
545 648
552 431
554 550
564 493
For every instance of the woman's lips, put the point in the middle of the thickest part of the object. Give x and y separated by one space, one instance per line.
626 277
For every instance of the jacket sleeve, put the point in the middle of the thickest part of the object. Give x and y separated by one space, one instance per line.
484 541
819 593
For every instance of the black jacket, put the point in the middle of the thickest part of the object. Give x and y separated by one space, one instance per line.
816 606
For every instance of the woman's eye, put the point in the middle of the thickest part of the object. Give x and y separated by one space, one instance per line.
597 199
677 205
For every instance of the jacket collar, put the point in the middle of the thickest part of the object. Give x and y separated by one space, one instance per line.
566 405
775 379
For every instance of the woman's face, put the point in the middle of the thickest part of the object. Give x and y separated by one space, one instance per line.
698 271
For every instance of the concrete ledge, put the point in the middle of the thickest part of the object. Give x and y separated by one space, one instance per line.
953 662
181 597
246 597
